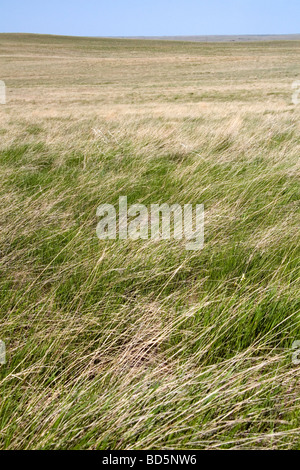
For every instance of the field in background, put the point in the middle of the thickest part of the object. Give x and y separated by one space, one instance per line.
225 38
142 344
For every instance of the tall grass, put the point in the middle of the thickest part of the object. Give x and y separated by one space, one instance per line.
141 344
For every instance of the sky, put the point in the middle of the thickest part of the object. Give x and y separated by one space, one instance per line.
150 17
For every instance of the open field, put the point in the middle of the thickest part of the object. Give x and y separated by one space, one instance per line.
141 344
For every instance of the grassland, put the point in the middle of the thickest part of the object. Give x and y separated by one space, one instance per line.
141 344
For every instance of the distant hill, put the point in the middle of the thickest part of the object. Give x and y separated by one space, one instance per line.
235 38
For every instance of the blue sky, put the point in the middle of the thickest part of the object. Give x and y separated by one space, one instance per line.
150 17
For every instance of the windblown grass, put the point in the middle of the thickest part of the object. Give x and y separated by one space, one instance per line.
142 344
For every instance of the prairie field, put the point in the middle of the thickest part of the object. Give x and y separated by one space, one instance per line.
142 344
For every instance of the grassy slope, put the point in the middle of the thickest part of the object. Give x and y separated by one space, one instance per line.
134 344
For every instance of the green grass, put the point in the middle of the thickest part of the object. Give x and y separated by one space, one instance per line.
142 344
